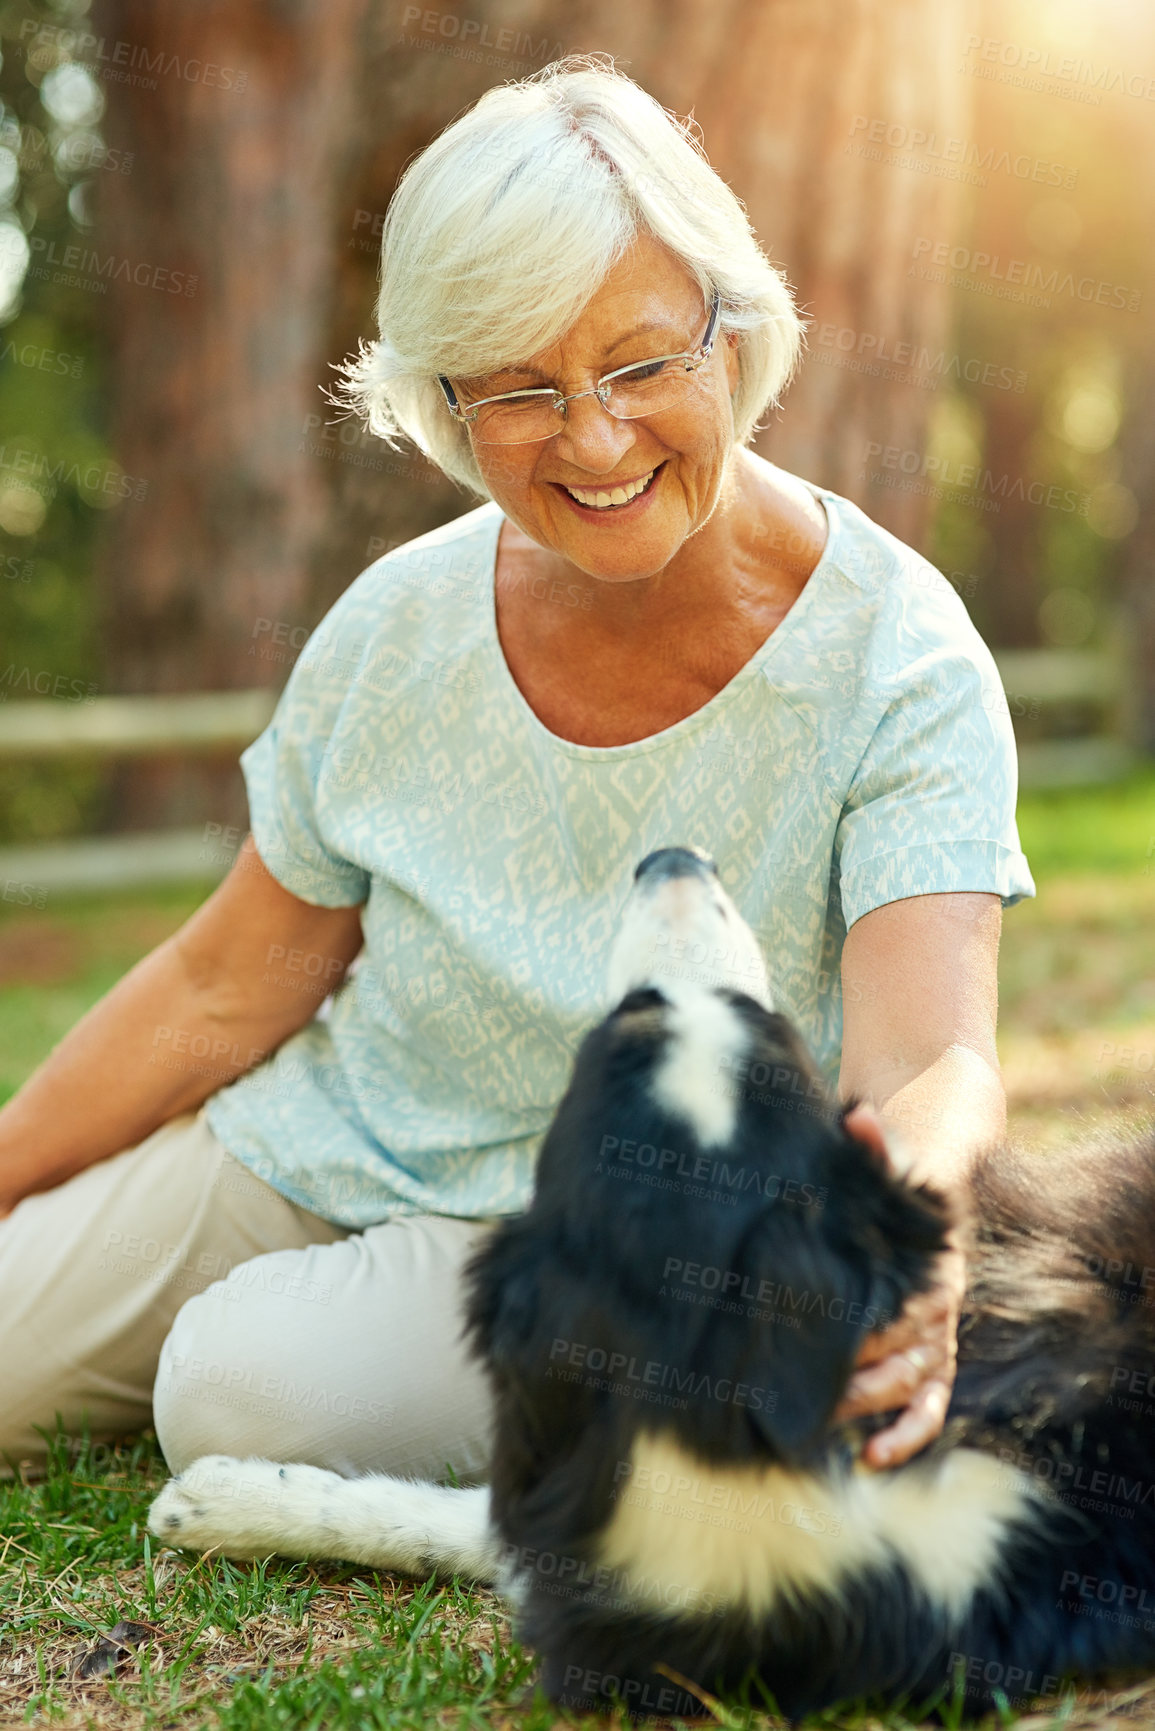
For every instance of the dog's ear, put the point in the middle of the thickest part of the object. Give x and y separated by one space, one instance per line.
799 1342
528 1306
504 1315
503 1298
820 1278
903 1224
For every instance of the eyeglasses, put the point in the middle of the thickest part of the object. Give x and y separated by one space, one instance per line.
643 388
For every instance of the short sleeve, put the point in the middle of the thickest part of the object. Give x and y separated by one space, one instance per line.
931 808
282 771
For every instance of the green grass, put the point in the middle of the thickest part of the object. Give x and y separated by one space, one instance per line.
56 963
240 1646
1101 829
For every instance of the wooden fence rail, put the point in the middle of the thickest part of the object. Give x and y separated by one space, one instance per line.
201 721
1042 684
1039 683
214 721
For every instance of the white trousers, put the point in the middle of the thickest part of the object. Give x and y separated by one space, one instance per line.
265 1329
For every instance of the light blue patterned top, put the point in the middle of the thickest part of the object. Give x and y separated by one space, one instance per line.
863 754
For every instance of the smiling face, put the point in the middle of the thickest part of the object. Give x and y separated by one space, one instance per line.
664 473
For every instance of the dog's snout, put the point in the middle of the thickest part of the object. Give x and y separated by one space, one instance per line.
680 925
674 862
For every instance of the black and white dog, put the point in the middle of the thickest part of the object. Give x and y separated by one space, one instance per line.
668 1331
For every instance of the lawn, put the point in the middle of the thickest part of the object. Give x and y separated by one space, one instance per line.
277 1644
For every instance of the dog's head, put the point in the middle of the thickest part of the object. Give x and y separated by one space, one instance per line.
708 1242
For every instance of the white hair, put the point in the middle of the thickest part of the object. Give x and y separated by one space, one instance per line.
501 231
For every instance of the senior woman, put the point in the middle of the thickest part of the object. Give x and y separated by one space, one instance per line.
646 635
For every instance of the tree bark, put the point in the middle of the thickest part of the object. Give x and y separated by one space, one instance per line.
232 196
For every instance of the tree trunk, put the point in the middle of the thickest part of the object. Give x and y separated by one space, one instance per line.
239 151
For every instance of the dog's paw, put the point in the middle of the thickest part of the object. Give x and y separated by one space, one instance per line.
243 1508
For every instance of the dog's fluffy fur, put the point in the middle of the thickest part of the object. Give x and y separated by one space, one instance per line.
668 1330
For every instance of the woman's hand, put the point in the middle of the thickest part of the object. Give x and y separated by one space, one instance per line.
920 1002
911 1364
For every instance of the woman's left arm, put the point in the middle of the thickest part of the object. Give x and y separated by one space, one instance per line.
920 1002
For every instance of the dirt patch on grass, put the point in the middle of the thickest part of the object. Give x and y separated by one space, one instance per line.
39 950
38 953
1064 1087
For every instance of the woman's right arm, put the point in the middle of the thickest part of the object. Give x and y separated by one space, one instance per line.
243 973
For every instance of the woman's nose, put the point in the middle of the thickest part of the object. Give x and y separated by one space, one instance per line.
591 437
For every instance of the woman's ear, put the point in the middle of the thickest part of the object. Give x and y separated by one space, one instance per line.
730 360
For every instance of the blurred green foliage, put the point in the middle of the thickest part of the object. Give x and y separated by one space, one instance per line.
1091 830
51 413
1052 282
